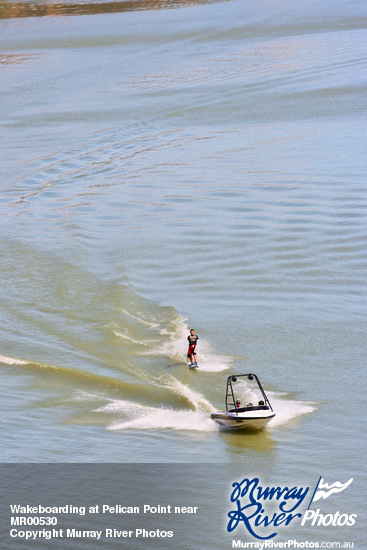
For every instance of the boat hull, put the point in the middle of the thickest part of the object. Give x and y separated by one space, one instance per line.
235 421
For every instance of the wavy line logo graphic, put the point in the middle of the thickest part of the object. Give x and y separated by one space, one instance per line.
324 490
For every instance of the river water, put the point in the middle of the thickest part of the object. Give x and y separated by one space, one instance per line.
168 165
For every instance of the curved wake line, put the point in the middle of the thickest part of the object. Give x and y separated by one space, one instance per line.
130 339
150 324
76 377
154 418
152 389
196 399
13 361
167 419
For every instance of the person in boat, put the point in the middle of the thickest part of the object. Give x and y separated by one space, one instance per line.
238 404
191 354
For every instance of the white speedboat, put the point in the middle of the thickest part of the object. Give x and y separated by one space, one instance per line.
254 414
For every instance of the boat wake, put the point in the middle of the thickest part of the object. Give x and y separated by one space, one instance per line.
164 403
169 342
133 415
138 417
288 411
12 361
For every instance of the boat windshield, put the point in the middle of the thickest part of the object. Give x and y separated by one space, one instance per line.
245 391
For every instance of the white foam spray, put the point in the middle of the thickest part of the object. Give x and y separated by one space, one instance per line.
12 361
141 417
197 400
174 346
286 410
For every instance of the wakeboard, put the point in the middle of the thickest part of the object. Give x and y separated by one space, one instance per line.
193 366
